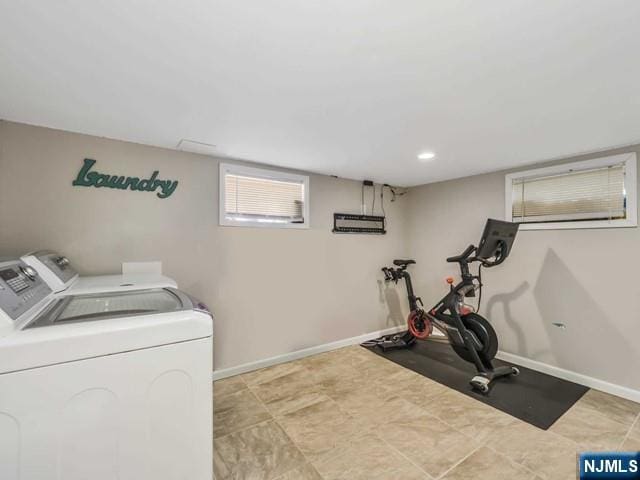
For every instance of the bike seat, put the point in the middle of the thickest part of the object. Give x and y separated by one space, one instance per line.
403 263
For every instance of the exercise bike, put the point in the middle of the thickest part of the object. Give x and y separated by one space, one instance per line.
471 336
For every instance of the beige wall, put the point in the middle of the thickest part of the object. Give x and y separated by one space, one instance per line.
273 291
586 279
276 291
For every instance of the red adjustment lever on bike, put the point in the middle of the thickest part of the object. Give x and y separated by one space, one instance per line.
449 280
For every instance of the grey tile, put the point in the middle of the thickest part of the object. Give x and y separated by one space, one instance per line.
320 429
590 429
236 411
305 472
619 409
544 452
485 464
368 407
426 441
473 418
261 452
269 374
355 415
632 441
335 380
368 458
227 385
291 391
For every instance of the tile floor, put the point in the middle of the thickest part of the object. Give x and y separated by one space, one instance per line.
350 414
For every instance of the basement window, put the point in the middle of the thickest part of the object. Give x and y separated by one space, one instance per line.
596 193
257 197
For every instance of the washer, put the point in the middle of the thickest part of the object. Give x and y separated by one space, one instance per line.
103 386
56 270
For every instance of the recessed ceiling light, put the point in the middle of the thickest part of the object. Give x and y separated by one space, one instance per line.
426 156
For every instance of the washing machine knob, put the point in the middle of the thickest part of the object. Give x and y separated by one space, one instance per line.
30 272
62 262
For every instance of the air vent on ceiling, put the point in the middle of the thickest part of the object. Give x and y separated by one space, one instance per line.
197 147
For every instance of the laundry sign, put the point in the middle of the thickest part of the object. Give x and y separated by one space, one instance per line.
89 177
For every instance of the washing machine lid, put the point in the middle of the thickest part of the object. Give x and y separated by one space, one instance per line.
76 327
110 305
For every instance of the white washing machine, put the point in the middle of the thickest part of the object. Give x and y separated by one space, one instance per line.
103 386
57 272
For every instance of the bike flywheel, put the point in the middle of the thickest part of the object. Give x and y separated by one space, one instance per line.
419 324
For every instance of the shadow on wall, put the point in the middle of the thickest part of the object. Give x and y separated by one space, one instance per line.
504 301
589 343
389 296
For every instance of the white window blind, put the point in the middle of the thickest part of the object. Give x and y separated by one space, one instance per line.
253 196
594 194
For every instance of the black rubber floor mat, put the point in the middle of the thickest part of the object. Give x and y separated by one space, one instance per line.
534 397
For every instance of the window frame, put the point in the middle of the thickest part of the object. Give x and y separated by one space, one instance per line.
630 185
278 175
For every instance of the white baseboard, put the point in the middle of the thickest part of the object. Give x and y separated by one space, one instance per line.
575 377
288 357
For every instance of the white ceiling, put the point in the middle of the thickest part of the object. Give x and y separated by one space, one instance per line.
355 88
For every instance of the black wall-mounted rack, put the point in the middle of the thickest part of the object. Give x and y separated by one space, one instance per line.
350 223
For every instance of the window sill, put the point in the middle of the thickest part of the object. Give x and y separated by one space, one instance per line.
578 225
231 223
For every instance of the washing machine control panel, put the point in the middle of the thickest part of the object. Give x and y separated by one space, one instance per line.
58 264
21 288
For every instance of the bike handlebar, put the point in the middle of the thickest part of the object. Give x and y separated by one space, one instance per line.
463 256
392 274
388 275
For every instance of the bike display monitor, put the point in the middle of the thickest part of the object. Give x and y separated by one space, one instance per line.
496 241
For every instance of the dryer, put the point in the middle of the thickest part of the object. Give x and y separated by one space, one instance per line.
104 385
58 272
